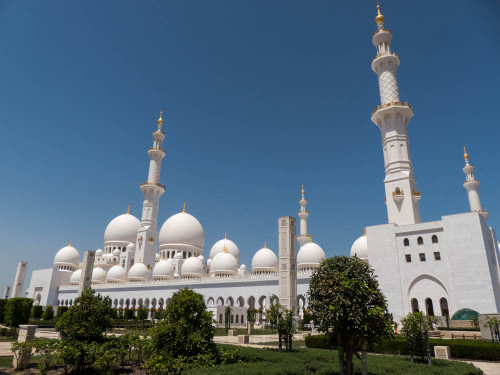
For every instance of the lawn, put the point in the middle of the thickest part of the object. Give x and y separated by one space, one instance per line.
6 362
7 339
322 362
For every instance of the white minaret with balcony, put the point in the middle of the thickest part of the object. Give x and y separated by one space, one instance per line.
303 238
147 236
392 117
472 185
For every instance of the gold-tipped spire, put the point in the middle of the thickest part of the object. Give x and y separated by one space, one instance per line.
466 156
302 191
380 17
225 235
310 238
224 249
184 207
364 231
160 120
69 243
128 209
265 245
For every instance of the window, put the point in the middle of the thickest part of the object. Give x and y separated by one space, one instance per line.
435 239
420 240
414 305
429 307
437 255
408 258
406 242
422 257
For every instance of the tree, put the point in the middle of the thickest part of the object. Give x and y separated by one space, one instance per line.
3 303
48 313
345 298
36 312
18 311
88 319
415 327
61 310
142 313
187 329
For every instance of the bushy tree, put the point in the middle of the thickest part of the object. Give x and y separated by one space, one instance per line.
36 312
48 313
142 313
128 314
415 327
345 297
3 303
18 311
61 310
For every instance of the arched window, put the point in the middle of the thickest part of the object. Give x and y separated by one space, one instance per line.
414 305
420 240
242 319
237 318
232 318
435 239
429 307
444 307
406 242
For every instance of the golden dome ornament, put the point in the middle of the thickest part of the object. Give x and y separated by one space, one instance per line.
380 17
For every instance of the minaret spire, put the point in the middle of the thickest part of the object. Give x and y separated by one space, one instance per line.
392 117
303 238
152 190
472 185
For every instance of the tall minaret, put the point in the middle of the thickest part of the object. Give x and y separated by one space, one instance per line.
392 118
471 185
147 236
303 238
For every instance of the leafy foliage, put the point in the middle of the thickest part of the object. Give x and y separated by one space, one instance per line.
17 311
345 297
3 303
36 312
61 310
142 313
48 313
128 314
416 330
47 349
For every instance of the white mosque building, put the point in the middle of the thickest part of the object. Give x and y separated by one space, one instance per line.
439 267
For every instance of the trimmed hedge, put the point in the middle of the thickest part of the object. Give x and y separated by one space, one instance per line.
61 310
471 329
17 311
463 349
48 313
3 303
36 312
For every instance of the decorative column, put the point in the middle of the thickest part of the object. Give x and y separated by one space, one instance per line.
86 273
287 264
19 280
303 238
392 117
147 236
472 185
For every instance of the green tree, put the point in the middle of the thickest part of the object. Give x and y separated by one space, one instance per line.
48 313
47 349
36 312
18 311
187 328
142 313
128 314
415 327
3 303
61 310
344 296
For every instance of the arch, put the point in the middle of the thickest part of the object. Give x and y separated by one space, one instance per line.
274 299
429 307
242 319
240 301
464 314
134 302
153 303
420 241
146 303
406 242
38 298
210 301
161 302
414 305
127 303
140 302
237 318
167 301
70 302
426 276
220 301
251 302
121 302
434 239
232 318
443 304
115 303
230 301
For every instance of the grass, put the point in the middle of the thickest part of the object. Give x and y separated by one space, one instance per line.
322 362
243 331
6 362
295 344
7 339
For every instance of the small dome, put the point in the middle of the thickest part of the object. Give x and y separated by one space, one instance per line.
98 275
182 229
98 253
138 272
163 270
75 277
201 258
116 252
178 255
243 267
116 274
209 262
224 263
310 255
360 248
130 247
122 228
229 245
67 256
192 267
157 257
265 260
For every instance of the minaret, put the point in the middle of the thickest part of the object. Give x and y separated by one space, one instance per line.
147 236
392 117
303 238
471 185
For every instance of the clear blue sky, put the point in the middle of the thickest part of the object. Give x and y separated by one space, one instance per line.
260 96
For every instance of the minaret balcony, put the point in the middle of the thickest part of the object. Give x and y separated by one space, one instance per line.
416 195
153 184
398 195
385 58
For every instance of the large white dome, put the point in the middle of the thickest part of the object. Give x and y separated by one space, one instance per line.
360 248
75 277
122 228
265 260
310 255
68 255
224 263
192 267
138 272
116 274
182 229
98 275
229 245
163 270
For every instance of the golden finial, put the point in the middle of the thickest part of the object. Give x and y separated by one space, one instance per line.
303 191
310 238
184 207
128 209
224 249
69 243
160 120
364 232
265 245
466 156
225 235
380 17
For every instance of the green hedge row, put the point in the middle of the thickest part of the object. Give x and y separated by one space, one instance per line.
463 349
471 329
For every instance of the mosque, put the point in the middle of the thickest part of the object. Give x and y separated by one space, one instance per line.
439 267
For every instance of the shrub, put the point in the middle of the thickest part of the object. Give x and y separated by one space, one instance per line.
47 349
61 310
3 303
128 314
18 311
48 313
37 312
142 313
416 330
